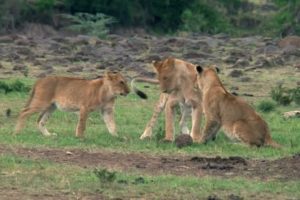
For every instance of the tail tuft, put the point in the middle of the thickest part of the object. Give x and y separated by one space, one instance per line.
141 94
273 144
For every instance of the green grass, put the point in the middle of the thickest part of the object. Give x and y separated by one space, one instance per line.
44 176
132 115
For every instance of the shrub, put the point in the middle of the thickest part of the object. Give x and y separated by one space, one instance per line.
285 96
95 25
203 17
105 176
281 95
16 86
11 13
296 95
266 106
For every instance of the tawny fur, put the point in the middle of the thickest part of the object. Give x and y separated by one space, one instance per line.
222 109
75 95
177 80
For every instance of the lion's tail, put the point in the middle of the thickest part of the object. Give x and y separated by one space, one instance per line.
30 98
139 92
270 142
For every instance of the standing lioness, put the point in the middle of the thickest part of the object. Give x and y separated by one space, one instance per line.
75 95
238 119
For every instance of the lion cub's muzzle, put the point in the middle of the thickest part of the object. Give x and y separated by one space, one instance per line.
124 93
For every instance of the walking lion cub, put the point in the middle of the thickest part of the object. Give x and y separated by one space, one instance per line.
75 95
238 119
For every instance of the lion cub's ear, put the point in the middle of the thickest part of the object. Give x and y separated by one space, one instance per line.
109 75
199 69
157 65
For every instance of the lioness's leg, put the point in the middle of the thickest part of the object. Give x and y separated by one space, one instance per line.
169 117
185 111
196 123
242 131
210 130
43 118
157 110
108 116
81 122
26 112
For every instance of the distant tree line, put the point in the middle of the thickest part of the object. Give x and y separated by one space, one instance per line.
164 16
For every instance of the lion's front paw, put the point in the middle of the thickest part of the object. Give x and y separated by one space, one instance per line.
147 134
197 139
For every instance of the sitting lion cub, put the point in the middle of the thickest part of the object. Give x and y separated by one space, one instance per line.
222 109
75 95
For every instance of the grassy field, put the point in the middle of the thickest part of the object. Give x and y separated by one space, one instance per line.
42 176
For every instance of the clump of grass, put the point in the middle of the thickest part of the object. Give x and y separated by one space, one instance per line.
296 95
16 86
266 106
281 95
105 176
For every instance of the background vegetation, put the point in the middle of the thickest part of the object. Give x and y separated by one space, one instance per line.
273 17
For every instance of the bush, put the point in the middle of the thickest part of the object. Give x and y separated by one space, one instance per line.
286 20
11 14
16 86
284 96
266 106
95 25
296 95
105 176
204 17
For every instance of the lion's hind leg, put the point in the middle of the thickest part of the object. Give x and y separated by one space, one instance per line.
25 113
43 118
157 110
244 132
211 129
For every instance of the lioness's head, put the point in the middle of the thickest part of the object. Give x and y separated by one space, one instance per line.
167 74
117 83
207 75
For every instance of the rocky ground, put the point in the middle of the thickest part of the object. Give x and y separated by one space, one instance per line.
42 51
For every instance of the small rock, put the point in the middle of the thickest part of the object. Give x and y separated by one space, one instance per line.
292 114
245 79
20 67
235 73
75 69
6 39
183 140
234 197
69 153
289 41
241 63
213 197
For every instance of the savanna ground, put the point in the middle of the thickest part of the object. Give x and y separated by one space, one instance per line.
104 167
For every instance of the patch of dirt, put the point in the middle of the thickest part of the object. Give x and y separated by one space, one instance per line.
15 194
283 169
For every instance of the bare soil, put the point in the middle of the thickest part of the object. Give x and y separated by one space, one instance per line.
284 169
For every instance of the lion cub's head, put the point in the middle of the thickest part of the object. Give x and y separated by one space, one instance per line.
207 76
167 74
117 83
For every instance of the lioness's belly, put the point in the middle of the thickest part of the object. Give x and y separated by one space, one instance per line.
68 107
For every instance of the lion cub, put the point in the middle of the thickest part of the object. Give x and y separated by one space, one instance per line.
238 119
75 95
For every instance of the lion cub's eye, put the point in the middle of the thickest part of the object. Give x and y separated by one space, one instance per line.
122 82
165 78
